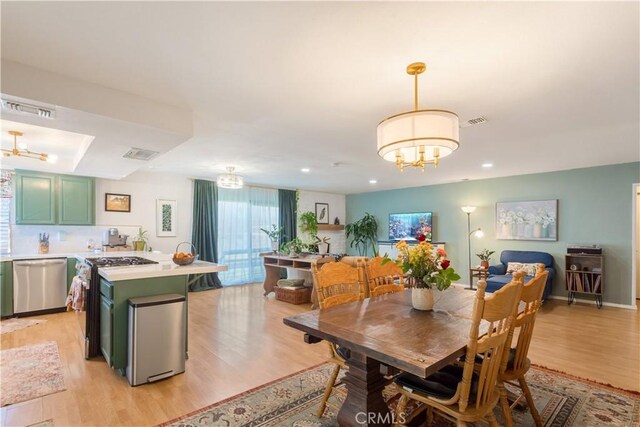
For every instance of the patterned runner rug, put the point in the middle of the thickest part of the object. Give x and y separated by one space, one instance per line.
15 324
561 399
29 372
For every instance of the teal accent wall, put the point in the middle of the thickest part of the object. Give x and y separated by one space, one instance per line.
594 207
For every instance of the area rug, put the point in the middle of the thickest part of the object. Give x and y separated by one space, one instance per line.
562 400
15 324
29 372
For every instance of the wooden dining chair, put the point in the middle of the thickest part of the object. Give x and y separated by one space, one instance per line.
516 363
467 391
337 283
383 278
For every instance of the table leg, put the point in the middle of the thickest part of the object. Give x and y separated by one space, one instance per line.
364 405
271 278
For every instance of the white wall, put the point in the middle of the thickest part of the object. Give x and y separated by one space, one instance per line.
337 208
145 189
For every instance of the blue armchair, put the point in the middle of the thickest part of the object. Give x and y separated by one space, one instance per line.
498 276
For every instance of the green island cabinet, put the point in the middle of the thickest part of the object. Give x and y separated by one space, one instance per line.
6 289
48 199
114 311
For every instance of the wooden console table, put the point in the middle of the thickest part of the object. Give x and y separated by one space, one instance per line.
274 262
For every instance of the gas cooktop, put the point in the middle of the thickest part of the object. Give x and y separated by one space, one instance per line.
119 261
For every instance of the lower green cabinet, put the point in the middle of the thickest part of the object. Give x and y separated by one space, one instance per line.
114 311
106 323
6 288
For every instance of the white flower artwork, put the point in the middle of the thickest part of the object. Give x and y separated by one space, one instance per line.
531 220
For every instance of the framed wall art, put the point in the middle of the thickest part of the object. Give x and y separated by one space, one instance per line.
166 218
117 202
534 220
322 213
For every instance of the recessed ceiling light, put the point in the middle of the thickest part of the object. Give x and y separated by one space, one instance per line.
305 170
373 181
487 165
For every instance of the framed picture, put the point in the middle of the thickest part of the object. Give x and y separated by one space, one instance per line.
117 202
322 213
166 218
536 220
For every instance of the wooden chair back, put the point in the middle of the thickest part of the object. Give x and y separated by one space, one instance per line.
383 278
338 283
499 310
531 301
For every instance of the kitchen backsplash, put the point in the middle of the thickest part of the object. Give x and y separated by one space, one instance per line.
62 239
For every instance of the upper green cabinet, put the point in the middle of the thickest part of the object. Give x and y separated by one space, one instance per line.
76 200
54 199
35 198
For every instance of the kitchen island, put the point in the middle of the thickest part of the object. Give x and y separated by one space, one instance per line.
115 285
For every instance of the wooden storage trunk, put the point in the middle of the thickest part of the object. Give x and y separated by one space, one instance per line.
293 295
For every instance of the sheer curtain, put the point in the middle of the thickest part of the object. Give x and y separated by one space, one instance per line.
241 214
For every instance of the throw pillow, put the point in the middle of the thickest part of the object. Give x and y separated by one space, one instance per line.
529 269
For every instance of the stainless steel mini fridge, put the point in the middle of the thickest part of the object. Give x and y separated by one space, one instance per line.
157 338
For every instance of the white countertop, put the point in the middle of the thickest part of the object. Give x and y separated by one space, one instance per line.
165 266
162 269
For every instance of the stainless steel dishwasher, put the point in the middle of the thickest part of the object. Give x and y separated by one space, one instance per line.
39 284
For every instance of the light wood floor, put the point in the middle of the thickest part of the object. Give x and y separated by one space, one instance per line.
237 341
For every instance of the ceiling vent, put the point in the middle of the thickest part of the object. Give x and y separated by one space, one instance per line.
30 109
140 154
473 122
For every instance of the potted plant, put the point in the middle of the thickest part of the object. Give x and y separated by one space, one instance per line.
364 232
140 240
485 256
323 245
294 247
309 223
427 268
274 235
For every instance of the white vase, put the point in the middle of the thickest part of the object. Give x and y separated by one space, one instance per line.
422 298
274 246
323 248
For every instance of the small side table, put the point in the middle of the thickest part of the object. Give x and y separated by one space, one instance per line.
478 273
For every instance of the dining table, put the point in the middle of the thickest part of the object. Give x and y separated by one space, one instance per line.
386 331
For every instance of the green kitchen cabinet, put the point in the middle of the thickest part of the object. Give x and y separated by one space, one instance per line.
47 199
106 324
76 200
6 288
35 198
114 311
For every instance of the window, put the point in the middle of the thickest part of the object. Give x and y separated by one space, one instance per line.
241 214
6 194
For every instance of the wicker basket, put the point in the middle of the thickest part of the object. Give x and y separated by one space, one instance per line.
185 261
293 295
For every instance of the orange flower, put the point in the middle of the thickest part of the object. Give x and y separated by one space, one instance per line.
441 252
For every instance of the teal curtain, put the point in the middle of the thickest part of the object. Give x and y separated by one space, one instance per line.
205 231
288 216
288 203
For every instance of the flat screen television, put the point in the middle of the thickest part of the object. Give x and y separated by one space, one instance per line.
407 226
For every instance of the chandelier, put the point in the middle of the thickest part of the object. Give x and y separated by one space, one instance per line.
230 179
24 152
419 137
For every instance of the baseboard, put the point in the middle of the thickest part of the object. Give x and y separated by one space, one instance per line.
592 302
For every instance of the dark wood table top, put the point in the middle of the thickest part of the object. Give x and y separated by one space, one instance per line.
390 331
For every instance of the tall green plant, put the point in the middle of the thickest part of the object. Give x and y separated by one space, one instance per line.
363 233
309 223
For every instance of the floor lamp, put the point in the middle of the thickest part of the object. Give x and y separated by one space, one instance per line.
478 232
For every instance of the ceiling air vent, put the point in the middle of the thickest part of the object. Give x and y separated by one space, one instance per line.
473 122
30 109
140 154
